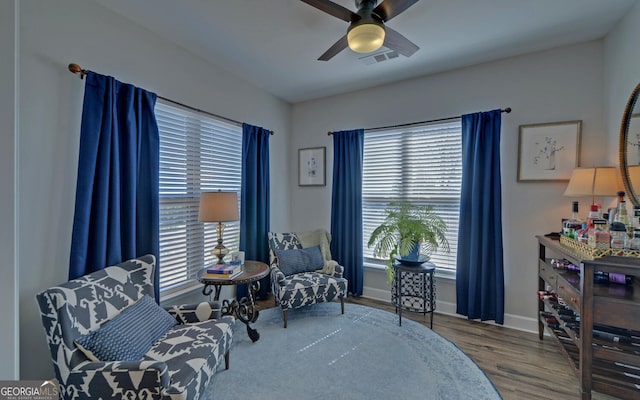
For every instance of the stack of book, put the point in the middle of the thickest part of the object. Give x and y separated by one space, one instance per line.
224 271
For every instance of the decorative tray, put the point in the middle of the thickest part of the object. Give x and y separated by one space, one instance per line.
587 252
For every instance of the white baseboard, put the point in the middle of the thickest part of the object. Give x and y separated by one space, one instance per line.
442 307
376 294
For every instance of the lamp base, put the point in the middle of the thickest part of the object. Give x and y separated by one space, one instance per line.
220 251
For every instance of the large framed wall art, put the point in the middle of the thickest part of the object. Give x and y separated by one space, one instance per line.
548 152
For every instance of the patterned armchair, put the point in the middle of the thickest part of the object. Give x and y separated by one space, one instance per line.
304 279
177 366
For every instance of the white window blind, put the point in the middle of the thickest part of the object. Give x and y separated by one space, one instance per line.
198 153
420 164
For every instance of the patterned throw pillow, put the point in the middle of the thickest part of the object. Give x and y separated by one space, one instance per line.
129 335
281 241
300 260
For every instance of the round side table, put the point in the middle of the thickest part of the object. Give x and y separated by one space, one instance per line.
244 310
413 289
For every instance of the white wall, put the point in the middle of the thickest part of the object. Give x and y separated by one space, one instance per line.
9 338
557 85
53 34
622 74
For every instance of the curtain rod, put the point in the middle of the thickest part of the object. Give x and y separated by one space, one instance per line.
76 69
506 110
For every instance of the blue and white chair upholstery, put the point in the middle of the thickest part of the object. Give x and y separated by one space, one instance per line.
305 286
192 342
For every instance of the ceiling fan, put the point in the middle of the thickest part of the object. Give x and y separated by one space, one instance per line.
367 31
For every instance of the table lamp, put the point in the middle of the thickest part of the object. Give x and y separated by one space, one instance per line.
218 207
594 181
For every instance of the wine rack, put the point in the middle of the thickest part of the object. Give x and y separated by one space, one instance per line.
604 349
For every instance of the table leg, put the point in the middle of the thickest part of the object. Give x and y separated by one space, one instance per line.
245 310
206 290
399 296
394 292
432 300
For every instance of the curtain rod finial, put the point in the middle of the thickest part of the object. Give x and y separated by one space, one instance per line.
75 68
507 110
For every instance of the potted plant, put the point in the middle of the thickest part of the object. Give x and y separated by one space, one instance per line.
408 232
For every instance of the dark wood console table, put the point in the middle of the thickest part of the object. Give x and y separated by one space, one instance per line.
606 366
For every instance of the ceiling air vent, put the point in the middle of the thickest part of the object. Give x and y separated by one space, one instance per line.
378 57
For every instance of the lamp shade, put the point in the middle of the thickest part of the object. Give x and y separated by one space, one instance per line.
595 181
366 37
218 207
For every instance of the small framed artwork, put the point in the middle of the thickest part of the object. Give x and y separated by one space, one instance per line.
548 152
237 257
311 166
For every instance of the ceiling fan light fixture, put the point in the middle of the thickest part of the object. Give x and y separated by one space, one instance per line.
366 37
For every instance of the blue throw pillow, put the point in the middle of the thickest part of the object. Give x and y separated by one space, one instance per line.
300 260
129 335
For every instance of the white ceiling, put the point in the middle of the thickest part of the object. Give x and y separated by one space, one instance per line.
275 43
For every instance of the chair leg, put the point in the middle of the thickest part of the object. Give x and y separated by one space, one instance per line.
226 360
342 304
284 317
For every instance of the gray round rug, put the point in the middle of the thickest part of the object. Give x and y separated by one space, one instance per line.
362 354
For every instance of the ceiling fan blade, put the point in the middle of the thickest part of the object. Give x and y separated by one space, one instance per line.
334 9
395 41
337 47
391 8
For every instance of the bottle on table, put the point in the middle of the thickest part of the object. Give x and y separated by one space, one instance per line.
636 217
598 236
618 233
593 214
583 234
573 224
621 211
634 242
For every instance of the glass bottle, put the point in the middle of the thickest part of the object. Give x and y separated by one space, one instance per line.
573 224
593 214
608 222
583 234
598 236
621 211
618 233
634 243
636 217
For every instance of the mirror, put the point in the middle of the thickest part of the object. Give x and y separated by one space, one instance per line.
630 147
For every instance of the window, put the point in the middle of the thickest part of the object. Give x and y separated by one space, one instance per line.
197 153
420 164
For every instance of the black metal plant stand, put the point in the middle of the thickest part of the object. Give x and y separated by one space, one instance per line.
413 289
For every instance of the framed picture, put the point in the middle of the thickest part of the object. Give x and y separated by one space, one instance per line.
311 166
237 257
548 152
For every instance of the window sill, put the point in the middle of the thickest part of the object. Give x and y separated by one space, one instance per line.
440 273
189 287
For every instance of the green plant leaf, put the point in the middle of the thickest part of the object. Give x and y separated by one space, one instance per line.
404 226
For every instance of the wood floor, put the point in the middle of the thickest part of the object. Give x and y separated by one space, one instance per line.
519 365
